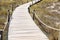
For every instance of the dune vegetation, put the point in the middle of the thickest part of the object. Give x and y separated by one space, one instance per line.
48 12
7 7
10 5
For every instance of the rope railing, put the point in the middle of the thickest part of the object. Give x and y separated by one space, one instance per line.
35 15
6 25
41 22
7 21
8 15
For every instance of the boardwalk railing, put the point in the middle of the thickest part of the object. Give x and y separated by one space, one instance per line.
4 31
44 25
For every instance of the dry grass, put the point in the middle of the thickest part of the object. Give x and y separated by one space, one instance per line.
53 17
5 5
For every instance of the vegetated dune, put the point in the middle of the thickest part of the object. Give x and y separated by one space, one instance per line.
10 5
48 12
6 5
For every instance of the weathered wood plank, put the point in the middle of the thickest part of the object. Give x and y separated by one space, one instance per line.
22 26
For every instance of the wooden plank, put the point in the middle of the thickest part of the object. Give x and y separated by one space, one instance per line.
22 26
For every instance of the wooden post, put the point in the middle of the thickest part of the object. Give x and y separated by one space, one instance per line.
33 14
8 15
1 33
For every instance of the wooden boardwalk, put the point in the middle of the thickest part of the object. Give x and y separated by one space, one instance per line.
22 27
